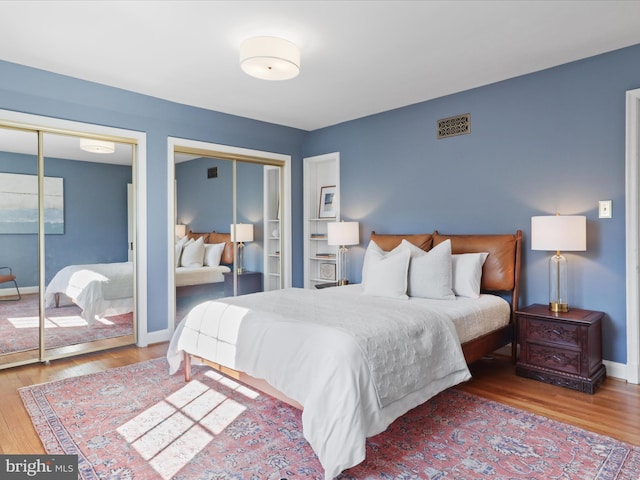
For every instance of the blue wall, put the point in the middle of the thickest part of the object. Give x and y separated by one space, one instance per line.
552 141
38 92
95 218
206 204
545 142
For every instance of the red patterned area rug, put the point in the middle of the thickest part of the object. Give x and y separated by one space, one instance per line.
137 422
19 328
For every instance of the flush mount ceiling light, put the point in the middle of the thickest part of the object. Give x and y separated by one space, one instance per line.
270 58
97 146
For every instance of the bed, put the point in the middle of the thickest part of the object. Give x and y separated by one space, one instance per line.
103 289
354 361
99 289
204 276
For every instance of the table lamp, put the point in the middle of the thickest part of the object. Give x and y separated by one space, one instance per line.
558 232
240 233
181 230
343 234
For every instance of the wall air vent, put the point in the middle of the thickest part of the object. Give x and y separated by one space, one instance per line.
452 126
212 172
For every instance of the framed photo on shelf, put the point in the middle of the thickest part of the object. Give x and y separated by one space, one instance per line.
328 271
328 202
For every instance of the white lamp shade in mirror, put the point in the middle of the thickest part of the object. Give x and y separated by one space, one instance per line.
241 232
181 230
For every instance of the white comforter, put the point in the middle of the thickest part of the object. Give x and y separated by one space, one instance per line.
99 289
355 363
187 276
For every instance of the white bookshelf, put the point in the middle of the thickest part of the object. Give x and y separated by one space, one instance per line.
272 230
319 257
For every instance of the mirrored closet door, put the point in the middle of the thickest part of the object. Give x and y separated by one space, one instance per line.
230 204
66 234
19 200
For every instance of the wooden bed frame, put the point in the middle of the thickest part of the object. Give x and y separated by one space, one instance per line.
500 275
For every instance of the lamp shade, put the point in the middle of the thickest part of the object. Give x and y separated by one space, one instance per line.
243 232
97 146
343 233
559 232
181 230
270 58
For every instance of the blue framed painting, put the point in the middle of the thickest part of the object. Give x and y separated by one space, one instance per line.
19 204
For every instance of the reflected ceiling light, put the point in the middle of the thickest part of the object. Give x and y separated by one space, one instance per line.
97 146
270 58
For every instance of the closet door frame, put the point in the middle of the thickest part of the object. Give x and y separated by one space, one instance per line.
233 153
43 125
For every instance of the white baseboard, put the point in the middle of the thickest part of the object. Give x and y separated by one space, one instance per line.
11 291
616 370
154 337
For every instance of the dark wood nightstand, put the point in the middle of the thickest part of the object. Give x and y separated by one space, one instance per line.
561 348
248 282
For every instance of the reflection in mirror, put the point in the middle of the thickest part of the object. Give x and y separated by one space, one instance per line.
273 234
204 205
204 210
249 230
19 305
88 269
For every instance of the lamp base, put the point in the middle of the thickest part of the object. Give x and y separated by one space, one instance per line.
558 307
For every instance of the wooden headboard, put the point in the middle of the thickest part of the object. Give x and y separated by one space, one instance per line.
501 270
216 237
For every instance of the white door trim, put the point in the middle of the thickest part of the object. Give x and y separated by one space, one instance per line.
632 234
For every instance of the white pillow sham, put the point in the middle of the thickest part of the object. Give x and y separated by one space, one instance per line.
384 274
430 272
467 273
213 254
193 253
180 243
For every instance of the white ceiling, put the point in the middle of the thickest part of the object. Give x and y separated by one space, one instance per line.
358 57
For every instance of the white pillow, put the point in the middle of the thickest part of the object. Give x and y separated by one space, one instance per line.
384 274
180 243
374 251
467 273
213 254
193 253
430 272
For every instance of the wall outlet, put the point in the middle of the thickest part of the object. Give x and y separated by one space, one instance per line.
604 209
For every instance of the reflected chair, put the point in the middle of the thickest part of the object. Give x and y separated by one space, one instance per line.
8 277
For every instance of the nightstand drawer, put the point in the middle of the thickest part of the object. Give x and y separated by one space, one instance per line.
544 331
561 348
567 361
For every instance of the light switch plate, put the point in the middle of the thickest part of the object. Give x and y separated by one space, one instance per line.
604 209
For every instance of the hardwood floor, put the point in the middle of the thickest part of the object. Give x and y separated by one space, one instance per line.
612 411
17 434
